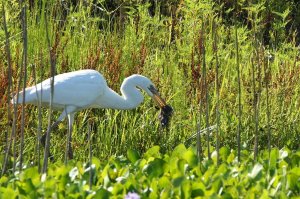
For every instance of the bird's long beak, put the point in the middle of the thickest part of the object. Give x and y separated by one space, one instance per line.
157 98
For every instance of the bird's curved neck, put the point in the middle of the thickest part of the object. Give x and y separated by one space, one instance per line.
130 99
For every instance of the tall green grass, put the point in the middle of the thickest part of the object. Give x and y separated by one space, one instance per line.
167 49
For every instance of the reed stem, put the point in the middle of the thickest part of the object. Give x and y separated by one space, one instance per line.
24 62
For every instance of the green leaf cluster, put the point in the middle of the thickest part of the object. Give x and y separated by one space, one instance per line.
178 174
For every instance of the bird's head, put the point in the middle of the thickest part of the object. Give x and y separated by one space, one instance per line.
146 84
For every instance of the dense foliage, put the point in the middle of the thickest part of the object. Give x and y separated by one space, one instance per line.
154 175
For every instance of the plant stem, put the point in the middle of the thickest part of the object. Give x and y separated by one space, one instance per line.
90 155
206 90
215 49
239 83
25 46
239 95
52 72
267 73
9 73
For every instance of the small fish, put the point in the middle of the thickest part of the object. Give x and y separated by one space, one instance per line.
164 115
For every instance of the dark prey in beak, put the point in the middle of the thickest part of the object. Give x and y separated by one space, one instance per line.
166 110
165 115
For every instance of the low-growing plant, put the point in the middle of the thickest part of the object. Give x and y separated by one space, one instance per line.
170 175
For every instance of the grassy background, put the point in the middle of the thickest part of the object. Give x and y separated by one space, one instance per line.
164 41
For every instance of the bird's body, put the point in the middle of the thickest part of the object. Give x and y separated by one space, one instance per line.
84 89
78 90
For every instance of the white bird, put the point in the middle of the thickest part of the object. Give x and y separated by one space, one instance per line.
78 90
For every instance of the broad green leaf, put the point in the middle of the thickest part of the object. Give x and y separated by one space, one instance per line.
173 165
230 158
293 181
179 151
60 171
221 170
28 186
208 174
197 193
181 166
224 152
233 191
295 159
102 194
155 168
154 187
7 192
186 189
198 185
295 171
265 195
177 181
217 184
31 172
226 196
96 162
153 194
117 189
273 158
165 193
3 180
21 190
153 152
132 155
164 182
112 173
191 158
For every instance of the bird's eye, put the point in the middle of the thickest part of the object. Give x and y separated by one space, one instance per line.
152 89
139 88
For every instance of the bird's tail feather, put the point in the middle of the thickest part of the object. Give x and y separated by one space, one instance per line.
18 99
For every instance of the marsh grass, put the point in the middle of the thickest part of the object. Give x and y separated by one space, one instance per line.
166 49
217 87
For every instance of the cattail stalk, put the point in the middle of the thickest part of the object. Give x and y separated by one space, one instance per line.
8 142
206 90
52 72
24 62
199 85
239 89
255 104
90 155
215 49
258 102
39 128
267 73
199 143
